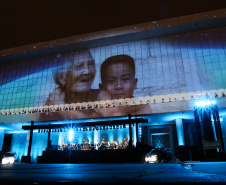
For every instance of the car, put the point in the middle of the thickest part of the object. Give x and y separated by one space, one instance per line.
158 155
9 158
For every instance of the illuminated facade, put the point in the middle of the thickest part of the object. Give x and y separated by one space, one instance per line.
155 71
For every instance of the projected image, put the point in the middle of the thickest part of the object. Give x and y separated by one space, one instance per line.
75 79
175 64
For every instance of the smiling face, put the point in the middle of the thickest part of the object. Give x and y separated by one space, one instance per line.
81 73
119 80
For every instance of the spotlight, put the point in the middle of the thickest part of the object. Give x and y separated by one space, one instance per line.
208 102
213 102
203 103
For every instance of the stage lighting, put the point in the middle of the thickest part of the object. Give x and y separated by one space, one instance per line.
213 102
208 102
205 103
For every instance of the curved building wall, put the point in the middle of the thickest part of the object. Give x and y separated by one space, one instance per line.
175 64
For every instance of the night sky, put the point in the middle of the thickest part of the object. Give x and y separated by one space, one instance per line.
31 21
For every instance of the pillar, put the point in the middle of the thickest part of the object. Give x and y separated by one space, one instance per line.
180 131
30 139
48 140
135 135
130 132
96 137
2 133
190 135
223 128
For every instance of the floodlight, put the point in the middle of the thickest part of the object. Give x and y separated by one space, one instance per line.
213 102
203 103
208 102
197 104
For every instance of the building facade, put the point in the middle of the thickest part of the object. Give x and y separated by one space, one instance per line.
154 71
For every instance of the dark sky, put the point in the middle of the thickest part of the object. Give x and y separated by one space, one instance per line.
26 22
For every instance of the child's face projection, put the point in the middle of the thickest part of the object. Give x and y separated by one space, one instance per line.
81 73
120 81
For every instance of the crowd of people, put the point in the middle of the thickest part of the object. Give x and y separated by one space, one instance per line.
103 145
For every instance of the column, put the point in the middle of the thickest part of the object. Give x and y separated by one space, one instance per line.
130 132
135 135
180 131
30 139
223 128
96 137
48 140
2 134
190 135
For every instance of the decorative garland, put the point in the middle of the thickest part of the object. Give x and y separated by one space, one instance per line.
119 102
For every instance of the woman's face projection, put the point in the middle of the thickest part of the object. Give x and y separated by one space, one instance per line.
81 73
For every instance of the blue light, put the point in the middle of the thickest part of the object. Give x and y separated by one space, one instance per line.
197 104
205 103
70 135
213 102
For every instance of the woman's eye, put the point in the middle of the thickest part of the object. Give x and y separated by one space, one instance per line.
78 67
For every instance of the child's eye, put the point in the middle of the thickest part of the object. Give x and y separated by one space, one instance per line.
111 80
91 64
126 79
